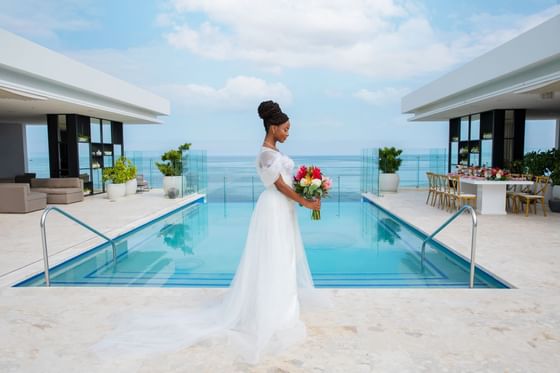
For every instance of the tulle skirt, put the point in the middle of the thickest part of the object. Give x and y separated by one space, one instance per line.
259 314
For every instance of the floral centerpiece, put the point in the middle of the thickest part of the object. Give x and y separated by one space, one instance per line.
310 183
495 173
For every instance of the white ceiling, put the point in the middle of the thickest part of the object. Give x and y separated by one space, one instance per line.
22 107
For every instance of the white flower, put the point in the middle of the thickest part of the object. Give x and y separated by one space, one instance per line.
303 182
316 182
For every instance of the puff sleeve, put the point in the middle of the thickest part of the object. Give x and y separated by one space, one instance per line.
269 166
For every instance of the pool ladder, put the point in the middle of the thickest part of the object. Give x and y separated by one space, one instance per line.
74 219
473 239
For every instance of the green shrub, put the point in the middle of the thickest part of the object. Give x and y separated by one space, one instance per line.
172 164
389 161
117 174
541 162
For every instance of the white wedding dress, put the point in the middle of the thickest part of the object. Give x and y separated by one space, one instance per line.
260 312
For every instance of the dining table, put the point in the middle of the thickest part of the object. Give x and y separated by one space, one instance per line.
490 194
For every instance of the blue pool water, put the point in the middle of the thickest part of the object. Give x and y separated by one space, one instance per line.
355 244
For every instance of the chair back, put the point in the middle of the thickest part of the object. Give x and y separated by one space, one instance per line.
431 184
540 185
514 187
454 185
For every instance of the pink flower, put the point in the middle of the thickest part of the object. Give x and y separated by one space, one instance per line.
327 184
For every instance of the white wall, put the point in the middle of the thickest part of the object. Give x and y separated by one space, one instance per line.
13 152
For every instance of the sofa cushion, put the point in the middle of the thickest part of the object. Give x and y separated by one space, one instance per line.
34 195
64 182
57 190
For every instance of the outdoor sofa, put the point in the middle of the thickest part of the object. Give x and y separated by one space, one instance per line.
18 198
60 190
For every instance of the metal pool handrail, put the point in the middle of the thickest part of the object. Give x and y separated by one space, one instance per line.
473 238
44 237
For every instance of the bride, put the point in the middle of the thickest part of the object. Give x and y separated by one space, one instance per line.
260 312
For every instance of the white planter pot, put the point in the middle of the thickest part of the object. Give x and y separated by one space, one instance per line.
116 191
172 182
131 186
388 182
556 192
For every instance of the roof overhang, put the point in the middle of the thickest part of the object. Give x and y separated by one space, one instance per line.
35 81
523 73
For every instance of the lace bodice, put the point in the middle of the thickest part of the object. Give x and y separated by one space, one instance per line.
271 164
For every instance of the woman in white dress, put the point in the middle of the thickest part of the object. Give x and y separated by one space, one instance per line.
260 312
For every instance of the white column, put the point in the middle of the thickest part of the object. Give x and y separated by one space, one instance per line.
557 142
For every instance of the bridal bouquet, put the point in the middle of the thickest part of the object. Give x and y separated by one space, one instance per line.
310 183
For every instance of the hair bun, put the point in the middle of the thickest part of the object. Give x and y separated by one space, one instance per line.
271 114
268 109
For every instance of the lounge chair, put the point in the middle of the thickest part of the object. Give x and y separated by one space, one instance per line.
18 198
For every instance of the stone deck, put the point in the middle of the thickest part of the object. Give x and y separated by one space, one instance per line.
385 330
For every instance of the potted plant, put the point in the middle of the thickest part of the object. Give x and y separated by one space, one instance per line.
131 182
172 168
116 178
389 163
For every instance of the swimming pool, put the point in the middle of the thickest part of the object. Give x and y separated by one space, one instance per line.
355 244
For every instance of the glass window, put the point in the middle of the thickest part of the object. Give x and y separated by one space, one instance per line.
117 150
97 181
475 127
486 153
95 130
454 153
473 159
464 128
83 154
107 137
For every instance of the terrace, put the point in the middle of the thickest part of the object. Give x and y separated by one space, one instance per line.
398 329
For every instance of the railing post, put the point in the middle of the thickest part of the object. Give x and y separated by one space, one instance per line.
45 250
253 190
473 240
44 237
473 249
417 171
338 214
225 198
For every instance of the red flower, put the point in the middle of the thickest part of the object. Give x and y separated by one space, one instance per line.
316 173
301 173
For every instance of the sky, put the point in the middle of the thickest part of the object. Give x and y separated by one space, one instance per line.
338 68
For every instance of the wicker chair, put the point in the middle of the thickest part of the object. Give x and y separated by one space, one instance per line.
456 197
539 191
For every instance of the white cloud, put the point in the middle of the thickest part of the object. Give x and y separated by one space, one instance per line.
493 30
380 38
238 93
381 97
43 19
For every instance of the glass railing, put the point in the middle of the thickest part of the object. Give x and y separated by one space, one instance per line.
194 168
234 178
412 171
195 175
369 177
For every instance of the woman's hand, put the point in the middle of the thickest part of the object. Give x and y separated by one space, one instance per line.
312 204
290 193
